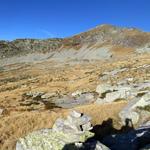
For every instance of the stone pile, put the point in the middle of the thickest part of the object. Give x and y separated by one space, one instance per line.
64 134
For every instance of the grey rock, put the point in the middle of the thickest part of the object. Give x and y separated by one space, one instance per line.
1 111
70 102
107 75
87 127
76 93
111 97
73 124
75 114
121 94
100 101
113 93
133 116
146 124
48 95
129 110
143 101
142 86
103 88
34 94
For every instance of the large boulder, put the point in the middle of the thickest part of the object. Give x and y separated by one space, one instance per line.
129 112
120 93
109 93
75 100
103 88
129 115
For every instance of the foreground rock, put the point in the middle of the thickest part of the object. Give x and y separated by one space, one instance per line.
75 129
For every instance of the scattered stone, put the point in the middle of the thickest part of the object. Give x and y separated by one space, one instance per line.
1 111
106 75
76 93
48 95
35 94
129 79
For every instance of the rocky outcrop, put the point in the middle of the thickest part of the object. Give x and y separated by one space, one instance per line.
130 111
137 95
108 93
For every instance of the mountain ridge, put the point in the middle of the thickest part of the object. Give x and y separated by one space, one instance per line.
100 36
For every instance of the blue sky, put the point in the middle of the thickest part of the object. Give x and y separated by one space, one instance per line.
62 18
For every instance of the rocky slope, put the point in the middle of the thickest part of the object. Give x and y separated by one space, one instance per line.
104 41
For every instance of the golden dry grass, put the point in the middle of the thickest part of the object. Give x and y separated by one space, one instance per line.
121 51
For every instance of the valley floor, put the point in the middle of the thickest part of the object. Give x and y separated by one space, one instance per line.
21 115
